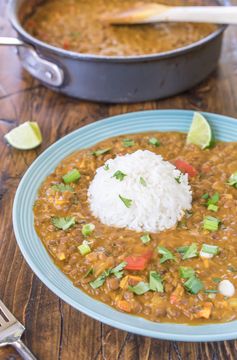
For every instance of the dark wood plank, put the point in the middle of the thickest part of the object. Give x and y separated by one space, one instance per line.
54 330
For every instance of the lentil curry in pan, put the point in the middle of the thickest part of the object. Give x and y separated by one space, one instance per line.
76 25
160 276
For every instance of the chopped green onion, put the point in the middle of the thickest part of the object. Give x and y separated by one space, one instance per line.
155 282
89 272
205 196
232 181
210 291
142 181
128 142
119 175
167 255
216 280
117 271
71 176
210 249
139 289
178 179
99 281
62 187
63 223
190 252
154 141
214 199
186 272
182 249
212 207
106 167
127 202
87 229
84 248
211 223
193 285
145 238
100 152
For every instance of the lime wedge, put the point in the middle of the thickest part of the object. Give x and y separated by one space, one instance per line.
200 132
25 137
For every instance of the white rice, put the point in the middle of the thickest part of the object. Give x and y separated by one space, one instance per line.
155 207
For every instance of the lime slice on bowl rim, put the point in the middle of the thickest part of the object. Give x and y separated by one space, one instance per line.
25 136
200 132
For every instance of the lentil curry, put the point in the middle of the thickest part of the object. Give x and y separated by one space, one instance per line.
174 275
76 25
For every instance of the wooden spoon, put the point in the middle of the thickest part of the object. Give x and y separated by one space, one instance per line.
152 13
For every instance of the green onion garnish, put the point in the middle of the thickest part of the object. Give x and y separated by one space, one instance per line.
212 207
211 223
193 285
210 291
145 238
128 142
190 252
106 167
99 281
154 141
210 249
155 282
216 280
205 196
119 175
89 272
140 288
167 255
142 181
232 181
186 272
87 229
100 152
127 202
62 187
63 223
84 248
182 249
117 271
71 176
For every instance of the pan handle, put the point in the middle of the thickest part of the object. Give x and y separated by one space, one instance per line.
42 69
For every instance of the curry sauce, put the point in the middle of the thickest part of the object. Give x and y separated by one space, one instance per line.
105 268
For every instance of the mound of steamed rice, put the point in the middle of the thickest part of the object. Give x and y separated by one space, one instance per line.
155 205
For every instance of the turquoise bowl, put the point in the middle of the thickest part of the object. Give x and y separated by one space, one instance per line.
224 128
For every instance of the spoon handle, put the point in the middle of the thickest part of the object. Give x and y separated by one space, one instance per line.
204 14
152 13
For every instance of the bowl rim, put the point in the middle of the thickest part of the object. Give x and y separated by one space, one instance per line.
226 335
14 19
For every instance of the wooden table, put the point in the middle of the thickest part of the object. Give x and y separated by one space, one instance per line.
54 330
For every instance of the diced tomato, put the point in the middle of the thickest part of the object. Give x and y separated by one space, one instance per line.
66 45
185 167
138 262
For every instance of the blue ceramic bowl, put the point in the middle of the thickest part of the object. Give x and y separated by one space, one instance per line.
224 128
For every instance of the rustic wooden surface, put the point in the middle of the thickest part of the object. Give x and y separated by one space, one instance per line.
54 330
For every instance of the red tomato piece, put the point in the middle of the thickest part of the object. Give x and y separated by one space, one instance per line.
138 262
185 167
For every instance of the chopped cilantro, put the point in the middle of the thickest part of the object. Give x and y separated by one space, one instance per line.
63 223
119 175
142 181
100 152
127 202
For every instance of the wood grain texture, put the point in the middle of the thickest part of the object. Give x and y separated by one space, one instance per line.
54 330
